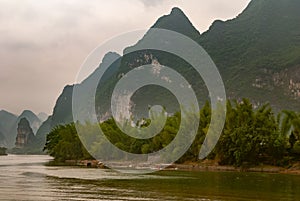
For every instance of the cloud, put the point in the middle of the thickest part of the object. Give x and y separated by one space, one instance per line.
43 43
152 3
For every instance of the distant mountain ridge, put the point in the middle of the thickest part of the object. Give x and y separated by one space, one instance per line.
33 119
9 123
257 54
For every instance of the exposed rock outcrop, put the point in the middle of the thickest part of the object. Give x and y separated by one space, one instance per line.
25 136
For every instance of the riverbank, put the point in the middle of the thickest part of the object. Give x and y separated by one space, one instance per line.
211 166
78 163
207 165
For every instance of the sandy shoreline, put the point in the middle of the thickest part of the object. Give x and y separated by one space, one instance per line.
295 169
209 166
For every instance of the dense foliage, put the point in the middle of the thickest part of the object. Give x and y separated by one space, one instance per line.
64 144
2 151
250 137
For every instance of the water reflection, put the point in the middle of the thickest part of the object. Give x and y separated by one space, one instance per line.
26 178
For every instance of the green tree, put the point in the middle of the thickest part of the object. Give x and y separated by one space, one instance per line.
63 144
250 136
290 126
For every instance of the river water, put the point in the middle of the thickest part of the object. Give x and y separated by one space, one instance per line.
27 178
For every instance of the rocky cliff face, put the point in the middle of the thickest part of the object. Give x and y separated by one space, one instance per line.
257 54
32 118
25 136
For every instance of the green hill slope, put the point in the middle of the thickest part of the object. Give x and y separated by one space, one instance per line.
257 54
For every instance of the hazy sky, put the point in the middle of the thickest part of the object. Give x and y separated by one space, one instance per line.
44 42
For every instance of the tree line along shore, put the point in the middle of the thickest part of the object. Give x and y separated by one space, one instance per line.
251 137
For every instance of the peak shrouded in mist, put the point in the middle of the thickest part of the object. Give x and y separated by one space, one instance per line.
42 116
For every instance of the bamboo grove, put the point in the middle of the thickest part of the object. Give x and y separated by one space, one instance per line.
251 136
